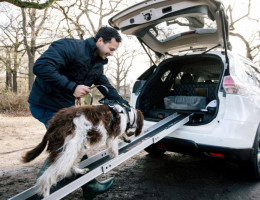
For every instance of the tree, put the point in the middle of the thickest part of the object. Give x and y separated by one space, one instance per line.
84 17
26 4
252 42
31 31
120 66
11 44
6 60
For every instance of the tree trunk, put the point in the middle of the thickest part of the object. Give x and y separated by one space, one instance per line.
30 49
8 80
16 65
15 81
31 75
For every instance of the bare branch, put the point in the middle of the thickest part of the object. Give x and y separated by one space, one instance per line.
26 4
44 17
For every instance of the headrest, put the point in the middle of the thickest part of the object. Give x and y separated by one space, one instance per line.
186 78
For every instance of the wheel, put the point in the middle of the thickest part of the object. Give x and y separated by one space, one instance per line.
155 151
252 166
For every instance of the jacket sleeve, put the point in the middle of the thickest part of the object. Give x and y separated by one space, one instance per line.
112 94
58 55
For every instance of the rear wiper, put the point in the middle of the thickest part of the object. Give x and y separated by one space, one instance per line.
211 48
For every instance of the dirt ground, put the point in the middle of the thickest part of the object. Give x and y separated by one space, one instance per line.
174 176
17 135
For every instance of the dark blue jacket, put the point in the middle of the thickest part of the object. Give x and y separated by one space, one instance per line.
66 64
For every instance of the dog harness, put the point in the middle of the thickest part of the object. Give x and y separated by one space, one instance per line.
111 105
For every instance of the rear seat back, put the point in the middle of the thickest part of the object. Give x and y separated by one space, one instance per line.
206 89
185 102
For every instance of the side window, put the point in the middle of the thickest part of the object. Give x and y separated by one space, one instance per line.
167 79
178 78
248 74
256 74
244 72
165 75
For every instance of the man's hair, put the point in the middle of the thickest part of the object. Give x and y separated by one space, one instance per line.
107 33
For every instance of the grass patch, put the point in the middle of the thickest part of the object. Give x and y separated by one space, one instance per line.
14 104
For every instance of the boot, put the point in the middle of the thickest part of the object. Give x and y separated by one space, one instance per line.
90 189
94 188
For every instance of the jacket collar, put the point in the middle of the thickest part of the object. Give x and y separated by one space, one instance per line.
93 47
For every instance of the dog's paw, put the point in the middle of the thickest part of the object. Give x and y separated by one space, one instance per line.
42 189
80 171
85 170
113 154
127 140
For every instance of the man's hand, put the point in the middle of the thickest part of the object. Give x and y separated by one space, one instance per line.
81 91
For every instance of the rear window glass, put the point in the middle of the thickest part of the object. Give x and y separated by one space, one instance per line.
201 71
169 30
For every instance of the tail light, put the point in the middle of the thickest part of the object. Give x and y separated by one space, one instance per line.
230 86
161 146
216 155
160 115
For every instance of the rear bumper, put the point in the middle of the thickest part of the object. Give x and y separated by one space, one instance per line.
192 148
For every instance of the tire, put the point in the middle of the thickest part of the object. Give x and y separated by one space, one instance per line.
153 150
252 166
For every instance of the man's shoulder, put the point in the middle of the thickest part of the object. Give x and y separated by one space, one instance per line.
89 41
68 44
69 41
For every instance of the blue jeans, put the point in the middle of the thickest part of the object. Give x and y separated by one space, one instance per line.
42 114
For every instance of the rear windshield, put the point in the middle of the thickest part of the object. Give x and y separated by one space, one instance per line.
171 29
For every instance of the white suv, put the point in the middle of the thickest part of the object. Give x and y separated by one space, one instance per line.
199 76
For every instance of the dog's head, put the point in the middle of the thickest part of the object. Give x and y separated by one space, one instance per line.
134 118
135 123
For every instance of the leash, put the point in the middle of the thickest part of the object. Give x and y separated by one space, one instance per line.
78 102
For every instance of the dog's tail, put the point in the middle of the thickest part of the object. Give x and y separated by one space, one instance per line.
32 154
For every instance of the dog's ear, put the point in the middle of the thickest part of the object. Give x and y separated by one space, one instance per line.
139 123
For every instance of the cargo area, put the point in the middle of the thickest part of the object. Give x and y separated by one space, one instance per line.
188 85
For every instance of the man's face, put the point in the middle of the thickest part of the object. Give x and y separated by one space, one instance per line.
106 49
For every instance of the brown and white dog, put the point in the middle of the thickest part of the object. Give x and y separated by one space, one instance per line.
71 129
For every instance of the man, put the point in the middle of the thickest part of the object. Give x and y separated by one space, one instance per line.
65 72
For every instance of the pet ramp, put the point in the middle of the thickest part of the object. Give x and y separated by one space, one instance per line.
101 163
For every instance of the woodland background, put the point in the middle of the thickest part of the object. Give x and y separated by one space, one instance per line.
27 28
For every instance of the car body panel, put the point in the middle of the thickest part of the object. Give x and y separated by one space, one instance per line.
234 125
